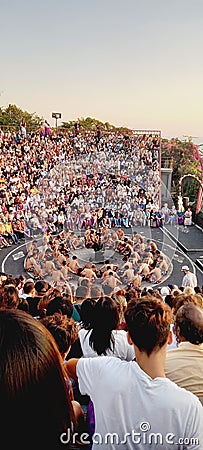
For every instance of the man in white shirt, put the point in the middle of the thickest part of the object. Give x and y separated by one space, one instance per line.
135 405
184 364
189 278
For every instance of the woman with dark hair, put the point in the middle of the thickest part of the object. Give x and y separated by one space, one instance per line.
87 313
104 338
34 397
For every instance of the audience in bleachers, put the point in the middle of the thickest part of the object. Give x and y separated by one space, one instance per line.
101 342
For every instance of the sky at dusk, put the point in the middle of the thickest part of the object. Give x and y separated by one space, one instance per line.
134 63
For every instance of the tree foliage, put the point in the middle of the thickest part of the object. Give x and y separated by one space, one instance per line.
12 117
184 158
91 124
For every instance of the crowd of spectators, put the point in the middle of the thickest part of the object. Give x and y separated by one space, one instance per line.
48 182
94 332
116 351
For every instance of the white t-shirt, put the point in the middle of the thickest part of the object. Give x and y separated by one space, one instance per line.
122 349
127 400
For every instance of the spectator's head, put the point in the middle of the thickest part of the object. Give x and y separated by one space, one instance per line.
188 290
188 325
41 287
198 290
183 299
169 300
87 313
63 329
96 292
60 304
26 386
120 299
108 290
148 322
29 287
81 293
164 291
105 319
9 297
85 282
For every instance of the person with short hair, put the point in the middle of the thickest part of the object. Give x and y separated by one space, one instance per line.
128 394
81 293
184 364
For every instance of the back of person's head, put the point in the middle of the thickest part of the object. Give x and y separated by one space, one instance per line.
87 313
108 290
183 299
105 319
169 300
60 304
120 299
132 295
32 381
41 287
188 324
28 287
188 290
9 297
9 280
199 299
85 282
148 322
81 293
95 292
198 290
63 329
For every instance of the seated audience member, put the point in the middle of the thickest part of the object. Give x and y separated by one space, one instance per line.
87 313
27 289
177 300
33 392
9 298
120 298
60 304
41 288
126 392
63 329
184 365
104 337
81 294
86 321
95 292
65 332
